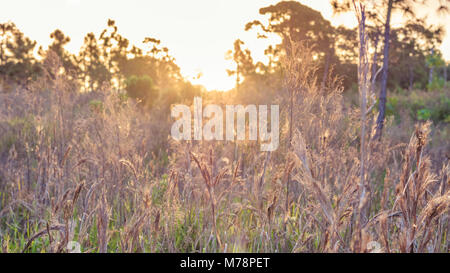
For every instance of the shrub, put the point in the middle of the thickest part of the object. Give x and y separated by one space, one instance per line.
424 114
141 88
436 84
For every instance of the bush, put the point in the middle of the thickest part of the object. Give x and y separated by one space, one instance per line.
142 89
420 105
436 84
424 114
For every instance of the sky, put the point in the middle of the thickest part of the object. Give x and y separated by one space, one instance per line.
198 33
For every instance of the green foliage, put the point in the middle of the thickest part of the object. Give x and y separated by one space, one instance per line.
435 60
159 191
187 230
417 86
447 119
436 84
422 106
142 89
424 114
436 109
442 109
408 52
391 106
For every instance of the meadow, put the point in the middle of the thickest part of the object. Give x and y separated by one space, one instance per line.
96 167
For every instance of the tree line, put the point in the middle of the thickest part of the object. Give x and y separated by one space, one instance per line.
405 57
147 74
408 54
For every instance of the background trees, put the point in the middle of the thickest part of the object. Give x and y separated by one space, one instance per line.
297 22
390 7
109 59
93 162
147 73
17 62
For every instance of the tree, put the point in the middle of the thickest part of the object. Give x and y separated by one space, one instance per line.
243 61
410 44
300 23
147 74
92 65
60 40
17 62
255 82
5 28
142 89
435 61
390 7
114 50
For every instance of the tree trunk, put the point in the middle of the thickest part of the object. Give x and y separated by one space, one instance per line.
411 78
326 68
445 75
2 56
382 102
430 75
374 64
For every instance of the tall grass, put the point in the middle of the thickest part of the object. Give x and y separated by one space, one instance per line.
97 169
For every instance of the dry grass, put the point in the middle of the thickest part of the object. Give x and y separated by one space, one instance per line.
96 169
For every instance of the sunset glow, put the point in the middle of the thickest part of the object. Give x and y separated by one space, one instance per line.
198 33
229 127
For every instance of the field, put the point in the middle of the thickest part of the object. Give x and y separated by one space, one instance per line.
95 169
89 165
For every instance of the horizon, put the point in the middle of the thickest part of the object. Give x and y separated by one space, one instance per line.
198 39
